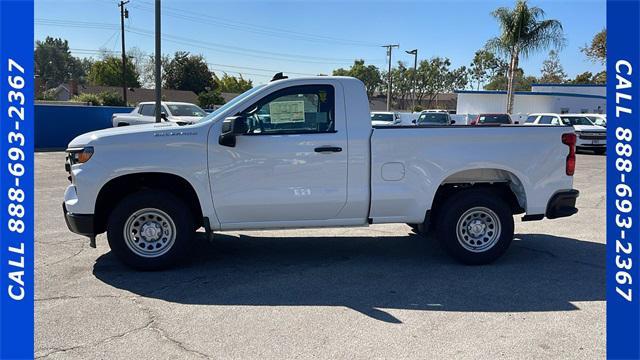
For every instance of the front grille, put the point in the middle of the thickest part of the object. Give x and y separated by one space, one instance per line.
593 136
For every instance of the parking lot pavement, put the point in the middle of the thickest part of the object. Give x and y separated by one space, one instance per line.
377 292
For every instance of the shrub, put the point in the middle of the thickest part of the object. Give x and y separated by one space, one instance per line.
105 98
110 98
91 99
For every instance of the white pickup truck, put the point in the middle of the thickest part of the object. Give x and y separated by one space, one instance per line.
313 161
145 113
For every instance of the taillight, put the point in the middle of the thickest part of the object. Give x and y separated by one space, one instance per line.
570 140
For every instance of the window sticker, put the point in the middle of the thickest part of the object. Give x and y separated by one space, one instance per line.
286 111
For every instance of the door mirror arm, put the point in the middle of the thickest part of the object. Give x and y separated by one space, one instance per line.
232 127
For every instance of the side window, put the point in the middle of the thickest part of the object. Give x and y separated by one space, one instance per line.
556 121
532 119
147 110
298 109
545 120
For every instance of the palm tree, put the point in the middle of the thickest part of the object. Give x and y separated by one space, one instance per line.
523 33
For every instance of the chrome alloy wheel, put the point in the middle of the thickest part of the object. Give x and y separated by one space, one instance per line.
149 232
478 229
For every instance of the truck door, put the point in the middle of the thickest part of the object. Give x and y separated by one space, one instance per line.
290 165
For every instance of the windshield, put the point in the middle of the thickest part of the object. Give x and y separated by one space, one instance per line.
598 120
576 120
494 119
382 117
433 118
185 110
231 103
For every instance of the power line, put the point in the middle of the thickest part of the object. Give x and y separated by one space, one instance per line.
256 29
216 47
212 66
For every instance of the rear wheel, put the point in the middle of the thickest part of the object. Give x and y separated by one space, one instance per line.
475 226
150 230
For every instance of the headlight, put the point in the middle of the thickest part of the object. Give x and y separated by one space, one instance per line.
80 155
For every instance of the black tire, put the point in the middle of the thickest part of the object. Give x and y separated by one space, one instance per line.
155 205
469 206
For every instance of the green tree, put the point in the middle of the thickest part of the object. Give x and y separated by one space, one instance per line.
523 32
401 85
584 78
434 77
521 82
188 72
210 98
552 71
232 84
54 64
108 72
369 75
600 78
483 67
597 50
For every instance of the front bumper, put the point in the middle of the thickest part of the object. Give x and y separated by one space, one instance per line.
81 224
562 204
591 141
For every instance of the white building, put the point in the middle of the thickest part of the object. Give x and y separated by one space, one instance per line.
552 98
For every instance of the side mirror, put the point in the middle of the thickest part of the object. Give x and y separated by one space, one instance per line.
516 122
413 121
163 116
453 122
231 127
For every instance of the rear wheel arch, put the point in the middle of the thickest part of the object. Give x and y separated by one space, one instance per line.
502 183
116 189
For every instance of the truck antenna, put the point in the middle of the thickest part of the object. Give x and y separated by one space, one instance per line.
279 76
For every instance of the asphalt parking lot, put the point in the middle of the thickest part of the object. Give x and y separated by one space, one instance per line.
361 293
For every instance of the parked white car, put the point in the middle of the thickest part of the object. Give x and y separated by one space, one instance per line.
406 118
385 118
178 112
315 161
597 119
590 137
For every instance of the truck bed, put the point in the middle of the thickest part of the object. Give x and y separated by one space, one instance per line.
410 163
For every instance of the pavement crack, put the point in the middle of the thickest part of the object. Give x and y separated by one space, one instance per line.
74 297
82 248
154 324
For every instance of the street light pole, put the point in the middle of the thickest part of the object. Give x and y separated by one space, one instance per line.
389 49
414 52
158 74
124 13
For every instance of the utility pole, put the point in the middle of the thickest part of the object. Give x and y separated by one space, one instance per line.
158 74
414 52
124 13
389 49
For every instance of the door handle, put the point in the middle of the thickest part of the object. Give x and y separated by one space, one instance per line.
328 149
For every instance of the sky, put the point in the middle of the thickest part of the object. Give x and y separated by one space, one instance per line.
259 38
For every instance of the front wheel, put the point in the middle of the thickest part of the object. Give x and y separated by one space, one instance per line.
475 226
150 230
